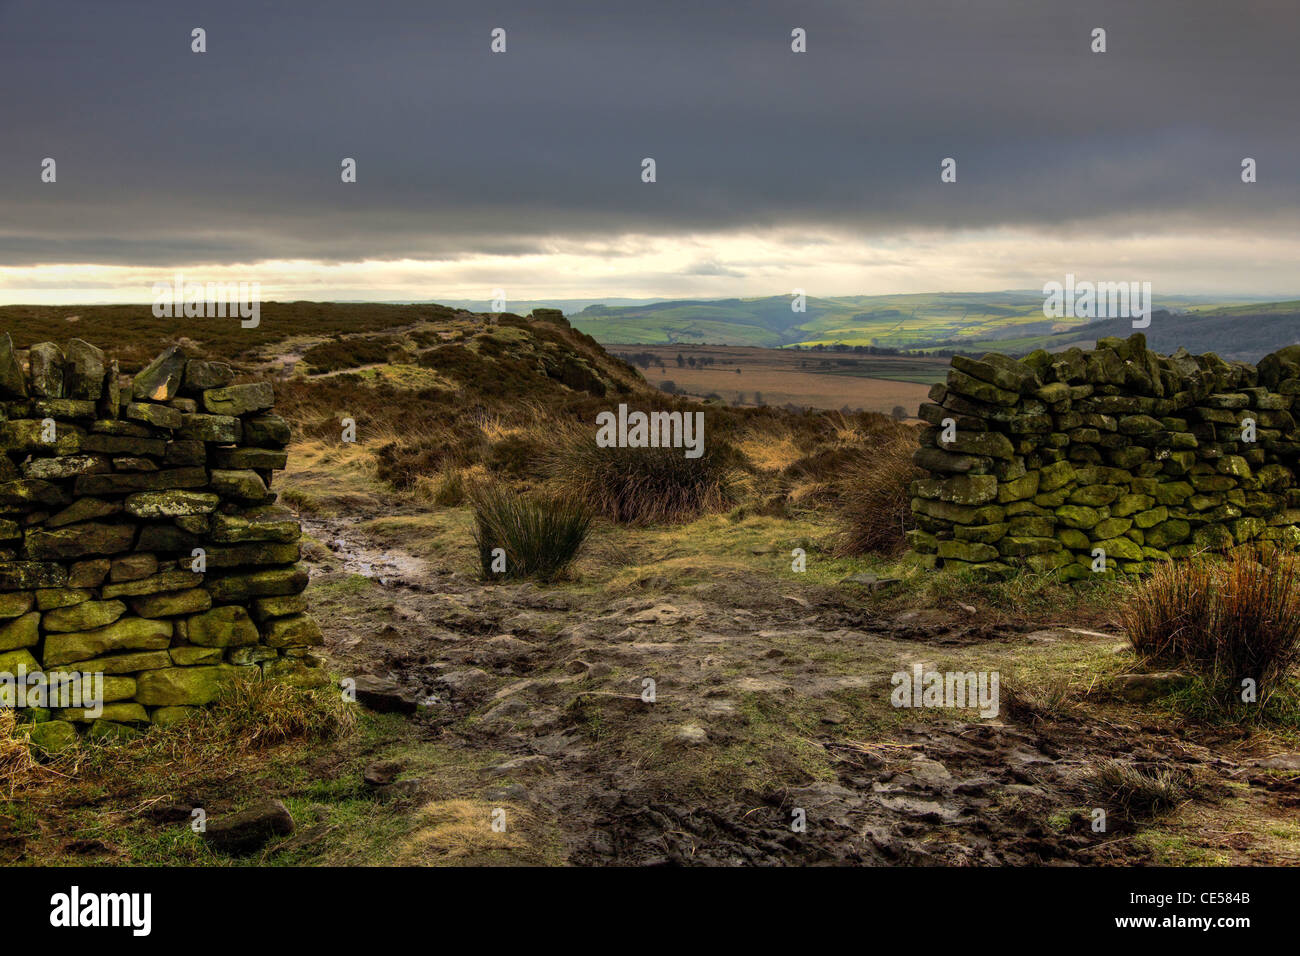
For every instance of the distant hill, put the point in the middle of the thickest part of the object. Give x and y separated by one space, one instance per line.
1243 333
966 321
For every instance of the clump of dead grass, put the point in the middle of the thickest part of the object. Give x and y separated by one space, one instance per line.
1139 793
458 831
1228 619
875 500
539 534
248 716
1042 699
640 486
17 765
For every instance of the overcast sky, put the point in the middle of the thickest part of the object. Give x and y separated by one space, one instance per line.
522 170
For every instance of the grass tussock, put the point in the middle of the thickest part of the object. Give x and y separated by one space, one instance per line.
450 488
875 502
1043 700
1228 619
641 486
247 717
262 713
16 761
540 534
1138 793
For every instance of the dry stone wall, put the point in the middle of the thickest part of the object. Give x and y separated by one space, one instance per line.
1039 462
139 539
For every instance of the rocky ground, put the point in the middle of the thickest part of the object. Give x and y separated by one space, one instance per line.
770 697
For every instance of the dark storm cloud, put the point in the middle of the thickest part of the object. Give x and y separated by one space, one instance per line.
167 157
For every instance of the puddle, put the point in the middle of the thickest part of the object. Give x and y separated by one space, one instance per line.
389 568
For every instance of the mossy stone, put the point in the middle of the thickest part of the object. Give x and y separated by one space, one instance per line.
980 444
225 626
1111 527
1212 537
240 484
84 616
269 607
1073 539
123 712
127 634
1020 488
1030 526
946 511
20 632
971 551
1094 496
1151 517
1122 549
300 630
236 400
960 489
1173 493
15 603
1127 505
160 380
171 504
52 736
172 603
189 655
1020 547
972 387
1233 465
129 662
983 533
1078 516
173 686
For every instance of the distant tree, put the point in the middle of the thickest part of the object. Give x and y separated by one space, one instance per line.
737 369
668 386
691 361
899 413
740 399
758 398
681 362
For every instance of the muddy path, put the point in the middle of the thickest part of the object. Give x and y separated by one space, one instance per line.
766 707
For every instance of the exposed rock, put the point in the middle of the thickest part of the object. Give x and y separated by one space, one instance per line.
160 380
382 695
1141 688
250 828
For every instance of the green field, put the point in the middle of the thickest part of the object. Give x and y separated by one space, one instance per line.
1006 321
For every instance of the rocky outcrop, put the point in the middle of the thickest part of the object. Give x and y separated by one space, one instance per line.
1106 460
139 538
